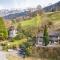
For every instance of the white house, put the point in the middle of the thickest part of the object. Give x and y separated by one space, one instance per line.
12 32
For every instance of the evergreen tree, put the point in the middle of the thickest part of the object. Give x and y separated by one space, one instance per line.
45 36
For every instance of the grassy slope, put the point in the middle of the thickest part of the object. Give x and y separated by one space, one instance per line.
35 21
54 16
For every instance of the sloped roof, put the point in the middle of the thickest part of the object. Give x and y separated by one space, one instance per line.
50 33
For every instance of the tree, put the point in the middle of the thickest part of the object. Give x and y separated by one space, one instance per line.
40 10
45 36
3 29
14 23
29 12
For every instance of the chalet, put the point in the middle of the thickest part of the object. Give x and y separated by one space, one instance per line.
54 37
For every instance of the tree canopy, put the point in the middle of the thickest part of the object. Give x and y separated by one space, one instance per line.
3 30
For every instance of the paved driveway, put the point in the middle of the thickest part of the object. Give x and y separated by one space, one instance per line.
3 55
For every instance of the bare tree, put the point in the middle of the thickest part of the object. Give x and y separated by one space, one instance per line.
39 10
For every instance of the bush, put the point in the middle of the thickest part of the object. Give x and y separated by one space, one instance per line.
3 44
5 47
14 47
19 36
27 48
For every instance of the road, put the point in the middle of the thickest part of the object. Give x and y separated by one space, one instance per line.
3 56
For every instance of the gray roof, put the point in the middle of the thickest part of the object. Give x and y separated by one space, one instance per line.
51 34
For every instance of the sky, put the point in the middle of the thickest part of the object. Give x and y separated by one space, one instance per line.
23 4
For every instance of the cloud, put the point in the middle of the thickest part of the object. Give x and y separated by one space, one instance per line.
24 3
1 7
33 3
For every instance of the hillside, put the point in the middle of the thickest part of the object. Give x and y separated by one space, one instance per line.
31 22
55 18
54 15
35 21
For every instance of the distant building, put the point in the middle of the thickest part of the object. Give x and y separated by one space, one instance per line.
12 32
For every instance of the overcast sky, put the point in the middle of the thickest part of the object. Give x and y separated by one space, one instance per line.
9 4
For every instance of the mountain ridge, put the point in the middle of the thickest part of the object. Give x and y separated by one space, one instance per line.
18 13
53 7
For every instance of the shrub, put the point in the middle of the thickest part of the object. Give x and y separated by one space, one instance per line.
27 48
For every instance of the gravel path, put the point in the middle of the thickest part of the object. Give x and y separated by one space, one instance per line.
3 56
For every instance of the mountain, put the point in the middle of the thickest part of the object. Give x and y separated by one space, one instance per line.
5 12
22 14
12 14
53 7
15 15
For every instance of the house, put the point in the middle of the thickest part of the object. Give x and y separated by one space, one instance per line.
12 32
54 37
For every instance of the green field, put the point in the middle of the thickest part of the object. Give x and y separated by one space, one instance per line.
35 21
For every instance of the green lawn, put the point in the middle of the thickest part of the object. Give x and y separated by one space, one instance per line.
15 43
